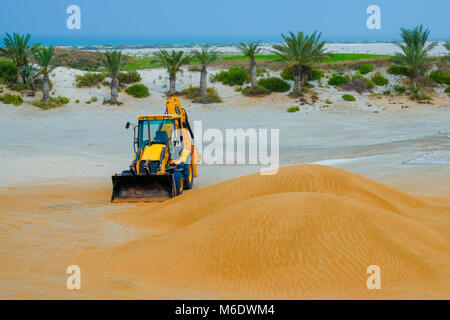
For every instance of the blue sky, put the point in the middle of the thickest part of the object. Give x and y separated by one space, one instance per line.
135 21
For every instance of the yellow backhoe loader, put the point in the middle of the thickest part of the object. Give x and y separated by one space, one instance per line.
165 158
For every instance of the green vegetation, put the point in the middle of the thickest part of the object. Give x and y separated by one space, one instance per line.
89 79
128 77
337 79
328 101
348 97
11 98
138 90
447 90
387 92
260 71
315 74
193 93
293 109
415 51
334 57
366 68
8 70
194 68
133 63
113 61
233 76
358 83
440 76
398 70
274 84
338 57
399 89
379 80
256 91
301 52
173 62
287 73
16 48
52 103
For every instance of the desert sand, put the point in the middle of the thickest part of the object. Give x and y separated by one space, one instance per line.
309 231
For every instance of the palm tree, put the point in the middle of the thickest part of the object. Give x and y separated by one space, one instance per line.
300 52
250 50
47 61
205 57
16 48
172 62
415 51
113 60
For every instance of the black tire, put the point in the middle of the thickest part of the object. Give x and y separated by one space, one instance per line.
188 177
179 182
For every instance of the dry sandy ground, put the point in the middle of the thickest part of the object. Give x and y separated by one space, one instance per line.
307 232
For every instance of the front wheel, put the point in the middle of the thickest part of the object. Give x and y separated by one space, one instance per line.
179 184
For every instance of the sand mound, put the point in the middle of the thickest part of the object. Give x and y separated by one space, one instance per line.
307 232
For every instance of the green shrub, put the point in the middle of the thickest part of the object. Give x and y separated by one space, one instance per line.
129 77
337 79
328 101
287 73
274 84
233 76
19 87
399 89
440 76
387 92
348 97
379 80
138 90
398 70
11 98
60 100
315 74
193 93
54 103
89 79
8 70
447 90
255 91
358 83
238 89
194 68
77 101
293 109
366 68
260 71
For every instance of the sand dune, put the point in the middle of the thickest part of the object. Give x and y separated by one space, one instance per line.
308 232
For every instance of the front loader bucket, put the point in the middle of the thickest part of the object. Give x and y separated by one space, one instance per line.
142 188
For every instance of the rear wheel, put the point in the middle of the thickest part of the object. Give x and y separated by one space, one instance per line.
179 184
188 176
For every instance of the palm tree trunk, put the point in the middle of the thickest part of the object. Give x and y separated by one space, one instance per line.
203 74
45 88
297 81
252 72
20 79
172 80
304 74
114 90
